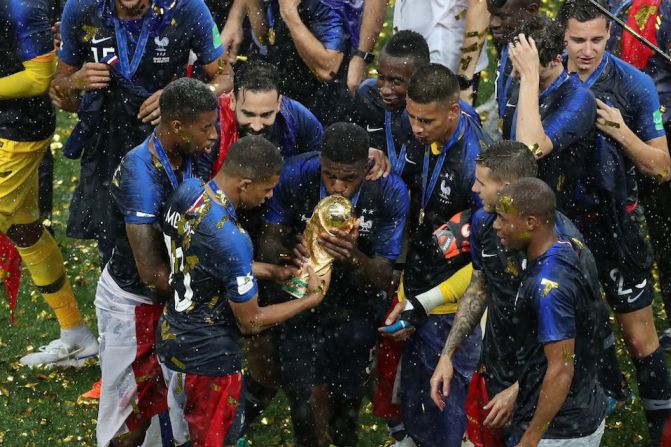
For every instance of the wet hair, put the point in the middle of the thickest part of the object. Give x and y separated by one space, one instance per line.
253 157
580 10
345 143
519 3
433 82
508 161
546 32
408 44
186 98
256 77
529 196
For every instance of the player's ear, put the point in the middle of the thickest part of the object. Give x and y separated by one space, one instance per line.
244 183
176 126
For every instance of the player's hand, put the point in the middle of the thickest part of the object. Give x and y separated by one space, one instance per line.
381 164
356 73
92 76
150 110
56 29
231 38
283 273
440 381
340 244
400 335
501 407
317 286
609 121
524 56
300 253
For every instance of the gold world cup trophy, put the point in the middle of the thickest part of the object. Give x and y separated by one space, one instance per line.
332 212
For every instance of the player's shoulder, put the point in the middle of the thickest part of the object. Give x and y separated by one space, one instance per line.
566 229
574 88
82 9
301 167
482 219
296 109
632 80
392 188
187 196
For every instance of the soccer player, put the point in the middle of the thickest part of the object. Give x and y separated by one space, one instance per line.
552 113
442 171
134 285
27 123
117 55
558 316
216 295
655 25
324 377
631 138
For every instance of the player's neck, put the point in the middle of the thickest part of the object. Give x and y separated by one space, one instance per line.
134 12
582 74
170 143
543 239
553 75
230 187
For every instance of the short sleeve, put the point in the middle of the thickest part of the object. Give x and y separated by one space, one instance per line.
279 210
646 112
328 27
138 195
72 52
32 27
389 232
572 121
476 238
206 39
234 264
308 128
554 300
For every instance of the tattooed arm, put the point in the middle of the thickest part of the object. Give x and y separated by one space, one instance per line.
471 308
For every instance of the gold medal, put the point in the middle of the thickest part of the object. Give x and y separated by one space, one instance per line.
271 36
421 216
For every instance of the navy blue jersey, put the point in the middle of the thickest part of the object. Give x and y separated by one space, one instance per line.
88 33
380 205
426 266
296 130
324 99
568 113
25 33
559 299
506 86
502 271
140 187
658 68
211 257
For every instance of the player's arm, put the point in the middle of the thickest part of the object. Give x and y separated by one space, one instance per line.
231 35
555 388
150 257
254 319
70 81
529 129
475 32
323 62
33 80
374 12
257 19
650 157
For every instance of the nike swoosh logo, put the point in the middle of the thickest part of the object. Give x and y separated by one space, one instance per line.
95 41
631 300
409 161
370 129
487 255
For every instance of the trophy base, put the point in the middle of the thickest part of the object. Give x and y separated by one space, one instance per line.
296 287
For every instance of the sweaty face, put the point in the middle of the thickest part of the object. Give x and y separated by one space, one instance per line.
511 230
487 188
392 80
198 136
343 179
255 112
505 19
432 122
586 43
257 192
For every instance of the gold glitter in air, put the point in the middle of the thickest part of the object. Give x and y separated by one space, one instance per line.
512 269
560 182
461 15
216 388
232 401
213 302
506 204
177 362
611 124
578 243
548 285
165 332
180 383
643 15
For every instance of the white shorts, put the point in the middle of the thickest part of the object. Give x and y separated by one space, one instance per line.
133 389
592 440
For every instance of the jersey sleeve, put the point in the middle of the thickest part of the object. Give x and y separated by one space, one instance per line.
646 112
554 300
206 39
389 233
279 209
328 27
572 121
72 52
476 238
309 129
32 28
137 194
234 269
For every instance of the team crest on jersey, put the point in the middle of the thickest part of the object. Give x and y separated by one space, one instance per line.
548 286
161 50
365 224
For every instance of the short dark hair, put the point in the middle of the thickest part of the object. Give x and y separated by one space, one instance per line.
547 34
508 161
580 10
521 3
185 98
528 196
408 44
253 157
256 76
345 143
433 82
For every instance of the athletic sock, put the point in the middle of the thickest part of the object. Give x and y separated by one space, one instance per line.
45 264
654 388
257 398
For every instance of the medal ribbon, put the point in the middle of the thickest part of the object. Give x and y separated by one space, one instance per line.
426 193
221 195
167 167
128 69
397 162
271 23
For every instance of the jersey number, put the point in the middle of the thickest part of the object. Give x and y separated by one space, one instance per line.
105 52
178 279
